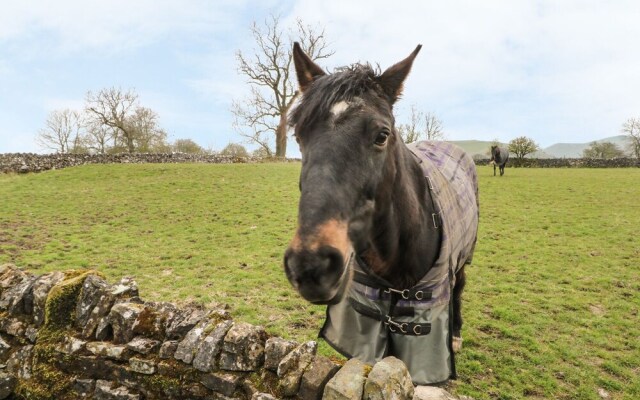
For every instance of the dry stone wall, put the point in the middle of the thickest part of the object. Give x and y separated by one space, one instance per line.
567 163
29 162
72 335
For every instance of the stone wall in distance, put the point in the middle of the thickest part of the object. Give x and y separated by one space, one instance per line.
29 162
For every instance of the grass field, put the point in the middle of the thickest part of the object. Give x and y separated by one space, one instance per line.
552 301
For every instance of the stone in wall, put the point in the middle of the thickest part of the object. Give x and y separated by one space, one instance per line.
123 317
186 349
84 388
315 378
275 350
183 321
108 350
7 384
158 320
433 393
104 390
104 330
168 349
98 314
13 327
96 301
39 294
71 345
13 299
143 345
31 333
13 285
243 348
388 379
4 348
19 363
142 366
93 290
293 366
348 383
210 347
262 396
9 277
222 382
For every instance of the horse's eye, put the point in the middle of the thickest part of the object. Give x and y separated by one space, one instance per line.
381 138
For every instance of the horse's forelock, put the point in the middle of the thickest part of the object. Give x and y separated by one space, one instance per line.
345 84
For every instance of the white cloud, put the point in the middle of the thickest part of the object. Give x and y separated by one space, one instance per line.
77 25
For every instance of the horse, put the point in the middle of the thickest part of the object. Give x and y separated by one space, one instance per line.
384 229
499 157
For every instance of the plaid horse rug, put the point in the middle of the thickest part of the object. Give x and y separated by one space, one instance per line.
366 324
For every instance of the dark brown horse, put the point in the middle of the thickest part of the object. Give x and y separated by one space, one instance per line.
368 219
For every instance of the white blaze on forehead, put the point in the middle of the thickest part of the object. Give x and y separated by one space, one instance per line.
339 108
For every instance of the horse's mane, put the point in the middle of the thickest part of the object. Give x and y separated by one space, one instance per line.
343 85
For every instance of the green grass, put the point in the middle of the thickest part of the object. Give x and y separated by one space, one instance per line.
552 300
204 233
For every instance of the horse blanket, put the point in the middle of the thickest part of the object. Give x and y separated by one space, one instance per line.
501 156
414 324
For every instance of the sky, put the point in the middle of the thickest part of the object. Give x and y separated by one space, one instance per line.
555 71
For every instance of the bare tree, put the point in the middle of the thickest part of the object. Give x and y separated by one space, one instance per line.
631 128
62 132
116 115
432 127
421 125
98 136
112 107
234 150
268 71
260 153
521 146
187 146
410 132
147 134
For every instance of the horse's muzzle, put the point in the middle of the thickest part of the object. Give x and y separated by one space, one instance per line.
321 277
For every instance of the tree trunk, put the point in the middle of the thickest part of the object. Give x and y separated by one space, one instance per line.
281 136
130 144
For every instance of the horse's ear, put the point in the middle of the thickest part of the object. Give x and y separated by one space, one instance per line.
306 69
391 80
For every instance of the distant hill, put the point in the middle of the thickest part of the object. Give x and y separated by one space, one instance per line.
481 148
474 147
574 150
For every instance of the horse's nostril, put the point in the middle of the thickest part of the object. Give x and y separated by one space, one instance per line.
333 261
316 275
290 264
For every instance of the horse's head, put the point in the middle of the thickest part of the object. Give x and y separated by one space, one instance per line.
495 152
344 126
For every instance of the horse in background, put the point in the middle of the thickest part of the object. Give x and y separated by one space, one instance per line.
499 158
